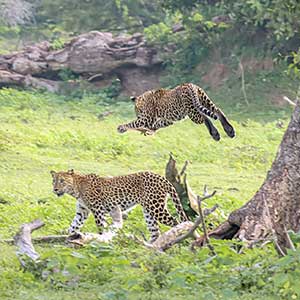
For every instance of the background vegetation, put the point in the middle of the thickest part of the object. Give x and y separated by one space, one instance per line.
41 131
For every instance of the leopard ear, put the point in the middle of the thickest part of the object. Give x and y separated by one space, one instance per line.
71 171
52 173
133 98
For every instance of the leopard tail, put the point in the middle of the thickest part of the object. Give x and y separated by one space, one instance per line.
202 109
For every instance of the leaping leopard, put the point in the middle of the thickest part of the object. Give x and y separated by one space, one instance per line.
160 108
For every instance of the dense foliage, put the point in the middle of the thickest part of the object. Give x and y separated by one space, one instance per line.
207 25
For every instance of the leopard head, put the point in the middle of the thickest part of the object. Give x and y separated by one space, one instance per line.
147 98
63 182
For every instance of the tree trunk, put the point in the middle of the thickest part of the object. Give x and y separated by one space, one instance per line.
275 208
96 56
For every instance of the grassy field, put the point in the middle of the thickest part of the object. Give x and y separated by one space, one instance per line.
41 132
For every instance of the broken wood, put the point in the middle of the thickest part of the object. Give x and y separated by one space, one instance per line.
24 243
275 208
201 216
180 232
200 220
179 180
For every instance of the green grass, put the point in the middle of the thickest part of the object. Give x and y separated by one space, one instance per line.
40 132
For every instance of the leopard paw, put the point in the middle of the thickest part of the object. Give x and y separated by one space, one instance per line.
122 129
75 236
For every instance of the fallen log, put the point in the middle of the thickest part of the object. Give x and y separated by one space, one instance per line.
275 208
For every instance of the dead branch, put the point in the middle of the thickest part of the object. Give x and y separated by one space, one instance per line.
167 240
42 239
288 238
199 200
179 181
24 243
289 100
182 172
23 240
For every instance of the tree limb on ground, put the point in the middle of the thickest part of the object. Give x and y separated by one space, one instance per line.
182 231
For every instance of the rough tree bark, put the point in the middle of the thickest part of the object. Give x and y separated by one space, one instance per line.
94 56
275 208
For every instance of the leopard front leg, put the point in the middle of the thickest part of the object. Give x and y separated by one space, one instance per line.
138 124
81 215
99 215
161 123
116 215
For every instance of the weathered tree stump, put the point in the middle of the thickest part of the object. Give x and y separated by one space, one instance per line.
179 181
275 208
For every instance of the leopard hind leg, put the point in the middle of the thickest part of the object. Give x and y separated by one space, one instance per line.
213 110
228 128
152 224
162 214
198 118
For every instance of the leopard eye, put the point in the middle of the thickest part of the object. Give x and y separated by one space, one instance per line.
61 180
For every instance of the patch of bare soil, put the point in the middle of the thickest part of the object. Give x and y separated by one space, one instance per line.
217 75
276 98
254 65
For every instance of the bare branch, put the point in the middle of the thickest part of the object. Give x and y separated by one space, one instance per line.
43 239
184 168
208 211
211 248
196 224
24 243
289 100
288 239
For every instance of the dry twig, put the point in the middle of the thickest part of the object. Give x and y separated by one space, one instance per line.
184 168
289 100
199 200
196 224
